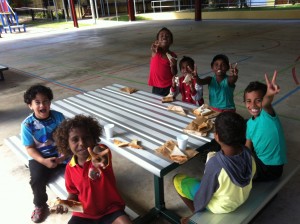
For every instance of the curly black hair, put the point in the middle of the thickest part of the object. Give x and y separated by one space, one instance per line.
231 128
188 60
255 86
61 134
31 93
167 30
222 57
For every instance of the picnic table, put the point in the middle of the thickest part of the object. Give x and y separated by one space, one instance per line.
140 116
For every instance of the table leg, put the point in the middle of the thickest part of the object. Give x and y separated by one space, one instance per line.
159 209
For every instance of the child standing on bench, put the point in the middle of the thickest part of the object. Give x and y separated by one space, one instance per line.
220 86
227 178
163 64
89 180
36 134
264 131
187 86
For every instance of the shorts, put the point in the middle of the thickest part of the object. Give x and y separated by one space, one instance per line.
107 219
186 186
266 172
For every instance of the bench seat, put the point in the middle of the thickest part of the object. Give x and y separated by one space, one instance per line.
57 184
261 194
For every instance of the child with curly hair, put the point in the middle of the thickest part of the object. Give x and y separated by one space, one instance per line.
36 135
265 134
187 86
97 192
163 64
227 178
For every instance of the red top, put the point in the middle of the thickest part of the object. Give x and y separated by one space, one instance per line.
99 197
160 71
188 96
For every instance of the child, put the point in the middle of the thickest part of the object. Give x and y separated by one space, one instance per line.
227 178
162 69
36 134
264 131
99 196
190 91
221 86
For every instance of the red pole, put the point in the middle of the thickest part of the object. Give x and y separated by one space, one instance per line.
131 10
74 17
198 13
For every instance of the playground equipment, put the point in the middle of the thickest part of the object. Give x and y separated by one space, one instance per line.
9 18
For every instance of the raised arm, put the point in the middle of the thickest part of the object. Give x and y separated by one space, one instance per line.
272 90
154 48
199 81
233 74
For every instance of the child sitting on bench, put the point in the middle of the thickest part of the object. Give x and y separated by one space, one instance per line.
227 178
264 131
89 180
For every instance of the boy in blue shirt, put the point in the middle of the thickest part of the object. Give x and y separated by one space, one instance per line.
264 131
36 134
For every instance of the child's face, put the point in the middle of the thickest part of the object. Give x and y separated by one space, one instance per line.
79 140
164 39
253 101
185 68
220 67
40 106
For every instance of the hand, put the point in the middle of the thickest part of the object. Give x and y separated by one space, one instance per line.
273 88
50 162
193 72
60 209
154 46
100 156
233 70
173 62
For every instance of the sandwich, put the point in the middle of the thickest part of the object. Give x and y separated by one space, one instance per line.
178 156
187 78
69 205
177 109
167 99
120 143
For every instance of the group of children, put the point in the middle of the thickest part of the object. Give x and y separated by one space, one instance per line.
253 150
249 151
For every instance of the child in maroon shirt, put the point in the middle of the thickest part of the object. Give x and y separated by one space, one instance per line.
187 86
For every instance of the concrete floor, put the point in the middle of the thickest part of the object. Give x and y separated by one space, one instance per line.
76 60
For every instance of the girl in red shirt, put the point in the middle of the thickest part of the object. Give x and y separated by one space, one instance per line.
163 64
191 92
96 191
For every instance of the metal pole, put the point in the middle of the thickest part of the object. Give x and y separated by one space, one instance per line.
65 10
96 7
92 10
73 14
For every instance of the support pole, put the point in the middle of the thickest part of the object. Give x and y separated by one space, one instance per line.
198 16
73 12
130 9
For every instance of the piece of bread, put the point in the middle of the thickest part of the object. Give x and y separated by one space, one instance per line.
71 205
170 57
178 156
134 144
128 90
167 99
177 109
187 78
120 143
